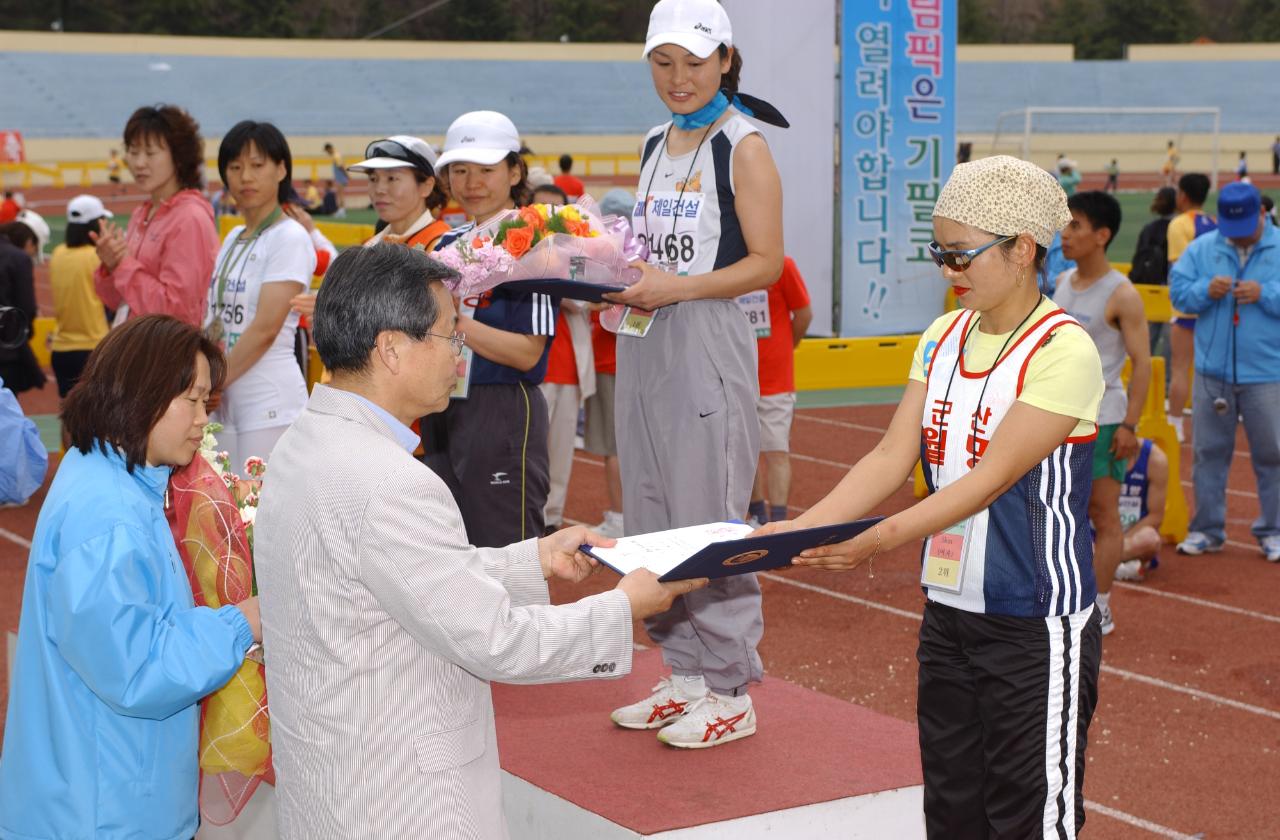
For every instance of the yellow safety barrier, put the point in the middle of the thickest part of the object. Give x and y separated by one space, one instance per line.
341 234
823 363
41 337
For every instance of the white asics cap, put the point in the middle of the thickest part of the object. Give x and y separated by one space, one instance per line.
700 26
483 137
86 208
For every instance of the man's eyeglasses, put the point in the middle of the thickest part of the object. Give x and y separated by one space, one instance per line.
960 260
456 341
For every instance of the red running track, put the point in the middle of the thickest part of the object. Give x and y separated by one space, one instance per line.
1186 740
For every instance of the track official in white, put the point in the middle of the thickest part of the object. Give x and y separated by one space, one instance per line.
1001 408
382 623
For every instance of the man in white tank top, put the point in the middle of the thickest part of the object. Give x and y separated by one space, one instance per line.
1111 311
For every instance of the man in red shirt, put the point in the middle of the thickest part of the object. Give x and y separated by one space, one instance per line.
572 187
789 317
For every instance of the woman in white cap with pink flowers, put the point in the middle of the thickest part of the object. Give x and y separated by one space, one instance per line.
1000 409
490 445
709 206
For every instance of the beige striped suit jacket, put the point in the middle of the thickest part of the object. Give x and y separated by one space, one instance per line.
382 628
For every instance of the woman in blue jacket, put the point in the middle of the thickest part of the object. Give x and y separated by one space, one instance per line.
101 734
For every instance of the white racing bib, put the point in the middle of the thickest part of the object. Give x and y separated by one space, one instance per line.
668 222
755 306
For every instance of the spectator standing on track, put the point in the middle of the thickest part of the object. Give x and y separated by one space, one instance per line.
162 263
1275 156
490 444
776 341
1002 398
1150 262
688 434
572 186
339 181
81 319
114 168
1142 500
1231 280
9 208
1170 166
261 266
570 379
1242 167
1105 303
600 436
1191 222
1068 176
1113 176
21 244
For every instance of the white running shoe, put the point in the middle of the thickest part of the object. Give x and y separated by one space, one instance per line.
1130 570
665 705
611 527
711 721
1271 548
1108 621
1197 543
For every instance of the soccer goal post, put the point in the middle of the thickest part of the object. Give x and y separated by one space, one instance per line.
1137 138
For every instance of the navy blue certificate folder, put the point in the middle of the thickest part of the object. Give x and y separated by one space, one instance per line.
572 289
748 554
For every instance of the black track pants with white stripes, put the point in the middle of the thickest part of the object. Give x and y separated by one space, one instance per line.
1004 706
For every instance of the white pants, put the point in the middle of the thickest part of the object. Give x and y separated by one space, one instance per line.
562 427
241 446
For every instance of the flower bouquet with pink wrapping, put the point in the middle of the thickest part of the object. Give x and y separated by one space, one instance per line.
569 251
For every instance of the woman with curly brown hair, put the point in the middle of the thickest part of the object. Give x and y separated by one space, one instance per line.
162 263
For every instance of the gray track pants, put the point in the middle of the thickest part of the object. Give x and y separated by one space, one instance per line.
688 440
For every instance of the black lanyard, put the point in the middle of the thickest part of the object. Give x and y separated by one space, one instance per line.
675 216
973 421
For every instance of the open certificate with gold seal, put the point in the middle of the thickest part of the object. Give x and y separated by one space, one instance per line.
718 549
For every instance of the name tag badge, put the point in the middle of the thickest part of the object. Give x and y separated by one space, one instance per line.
944 558
755 306
635 322
462 387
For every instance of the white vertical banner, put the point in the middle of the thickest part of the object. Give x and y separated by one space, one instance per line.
789 59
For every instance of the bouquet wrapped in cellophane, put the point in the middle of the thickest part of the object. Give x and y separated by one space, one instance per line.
211 515
543 242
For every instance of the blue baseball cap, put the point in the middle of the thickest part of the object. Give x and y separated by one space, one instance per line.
1239 209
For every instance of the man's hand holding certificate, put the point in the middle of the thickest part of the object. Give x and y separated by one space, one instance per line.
719 549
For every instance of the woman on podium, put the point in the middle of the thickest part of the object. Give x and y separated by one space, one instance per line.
1000 409
710 207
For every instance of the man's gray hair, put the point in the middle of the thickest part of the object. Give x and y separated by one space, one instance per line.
369 290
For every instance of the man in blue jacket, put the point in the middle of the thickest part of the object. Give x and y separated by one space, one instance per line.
1231 279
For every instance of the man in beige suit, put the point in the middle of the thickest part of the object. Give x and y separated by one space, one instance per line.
382 625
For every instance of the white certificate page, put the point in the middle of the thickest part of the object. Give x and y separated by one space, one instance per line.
662 551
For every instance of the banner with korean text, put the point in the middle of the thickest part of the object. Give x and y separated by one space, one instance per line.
897 148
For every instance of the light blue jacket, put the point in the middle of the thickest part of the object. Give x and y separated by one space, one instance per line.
101 735
23 459
1256 344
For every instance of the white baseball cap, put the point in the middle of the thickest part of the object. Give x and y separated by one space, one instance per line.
399 151
483 137
700 26
86 208
38 226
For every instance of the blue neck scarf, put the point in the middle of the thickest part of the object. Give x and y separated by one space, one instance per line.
748 105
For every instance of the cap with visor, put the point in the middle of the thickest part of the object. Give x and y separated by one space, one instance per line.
480 137
399 151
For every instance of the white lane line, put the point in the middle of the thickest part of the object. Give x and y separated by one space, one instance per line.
852 599
1245 493
15 538
1138 822
1119 672
1193 692
844 424
1201 602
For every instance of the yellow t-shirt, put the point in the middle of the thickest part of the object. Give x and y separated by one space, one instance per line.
81 320
1064 377
1182 229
